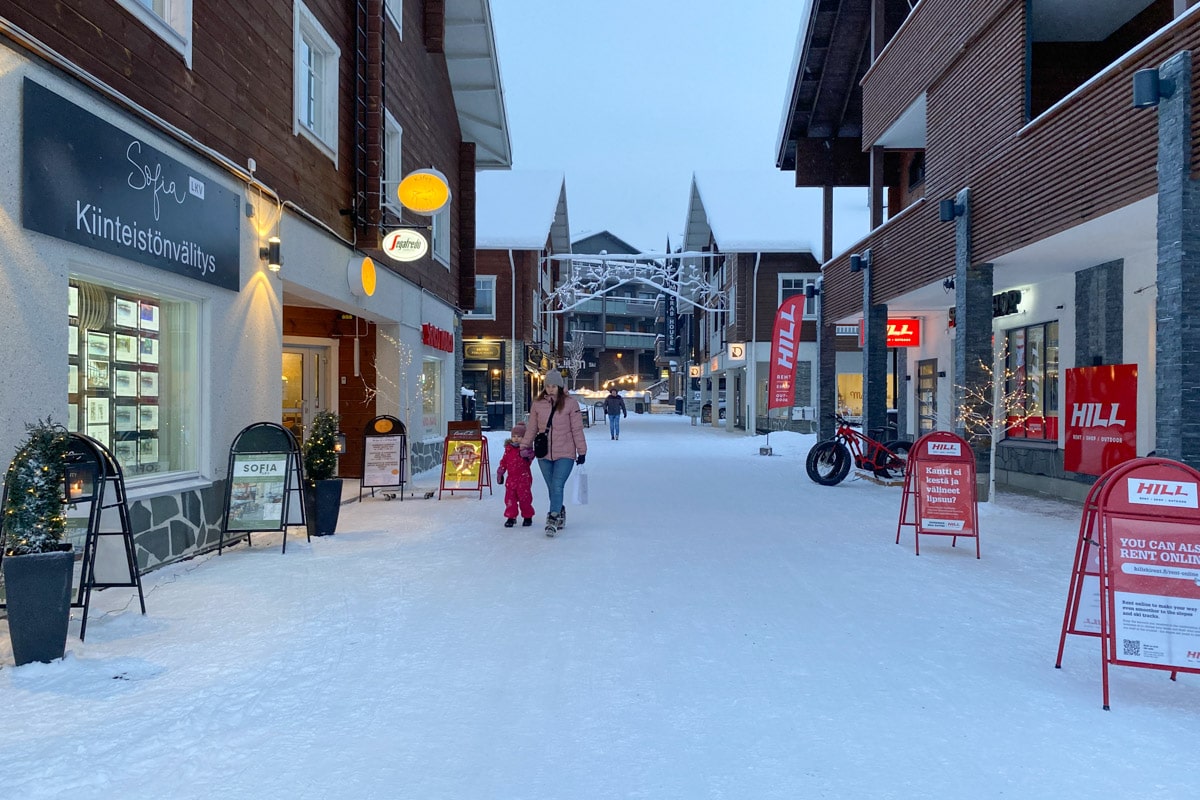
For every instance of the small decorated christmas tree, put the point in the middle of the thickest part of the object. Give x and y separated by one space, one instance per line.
34 521
320 454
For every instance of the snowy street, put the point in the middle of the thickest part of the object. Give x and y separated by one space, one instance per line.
712 625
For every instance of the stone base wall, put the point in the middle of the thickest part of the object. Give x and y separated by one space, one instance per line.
177 526
1039 469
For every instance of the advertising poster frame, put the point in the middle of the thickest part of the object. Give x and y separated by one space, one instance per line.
385 446
263 445
466 466
1149 513
940 497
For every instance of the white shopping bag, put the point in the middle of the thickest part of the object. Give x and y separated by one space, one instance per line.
579 487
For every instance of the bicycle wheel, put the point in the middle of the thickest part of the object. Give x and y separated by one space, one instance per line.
897 463
827 463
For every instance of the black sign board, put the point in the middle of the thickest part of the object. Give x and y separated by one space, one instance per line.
671 328
100 510
89 182
265 488
385 456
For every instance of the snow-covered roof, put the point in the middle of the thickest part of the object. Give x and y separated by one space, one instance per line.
763 211
785 120
474 68
520 210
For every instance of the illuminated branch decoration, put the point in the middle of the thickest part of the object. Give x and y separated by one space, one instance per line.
591 277
991 393
388 389
574 357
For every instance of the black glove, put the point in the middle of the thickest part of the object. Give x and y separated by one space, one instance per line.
626 416
579 459
500 479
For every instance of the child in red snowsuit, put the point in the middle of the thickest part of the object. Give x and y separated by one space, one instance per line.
518 493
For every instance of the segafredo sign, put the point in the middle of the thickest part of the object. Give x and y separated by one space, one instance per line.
405 245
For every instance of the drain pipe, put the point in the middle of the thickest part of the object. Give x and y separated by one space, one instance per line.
512 266
752 360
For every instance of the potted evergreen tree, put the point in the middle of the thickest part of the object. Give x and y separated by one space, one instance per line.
323 492
37 562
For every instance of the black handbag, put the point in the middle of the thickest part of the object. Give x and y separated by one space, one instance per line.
541 442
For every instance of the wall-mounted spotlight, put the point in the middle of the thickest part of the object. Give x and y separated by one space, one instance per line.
860 261
948 284
271 255
812 290
948 209
1149 87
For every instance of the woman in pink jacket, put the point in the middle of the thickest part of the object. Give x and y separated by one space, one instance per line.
559 415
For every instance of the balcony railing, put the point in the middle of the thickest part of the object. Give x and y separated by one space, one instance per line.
619 307
616 340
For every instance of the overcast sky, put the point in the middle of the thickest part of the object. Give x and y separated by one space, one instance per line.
628 97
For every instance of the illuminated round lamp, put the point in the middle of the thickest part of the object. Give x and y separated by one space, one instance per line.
425 191
360 275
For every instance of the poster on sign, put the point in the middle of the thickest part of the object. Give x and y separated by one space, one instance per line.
939 490
1150 562
1101 430
383 461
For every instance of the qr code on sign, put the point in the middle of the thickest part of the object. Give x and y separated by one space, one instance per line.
1132 647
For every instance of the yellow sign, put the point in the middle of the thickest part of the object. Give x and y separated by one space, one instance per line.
461 469
360 276
694 371
425 191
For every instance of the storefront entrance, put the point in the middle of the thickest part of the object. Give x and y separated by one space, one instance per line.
307 388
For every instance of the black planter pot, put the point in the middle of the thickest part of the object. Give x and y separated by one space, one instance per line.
38 587
322 502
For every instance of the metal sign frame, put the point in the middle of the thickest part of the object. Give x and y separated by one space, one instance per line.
268 439
108 495
958 462
385 427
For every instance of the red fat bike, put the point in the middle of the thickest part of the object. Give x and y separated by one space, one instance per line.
829 461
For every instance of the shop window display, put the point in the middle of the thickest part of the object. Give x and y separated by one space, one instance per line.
132 376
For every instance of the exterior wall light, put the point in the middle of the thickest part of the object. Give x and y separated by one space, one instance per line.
948 210
1149 88
271 254
860 261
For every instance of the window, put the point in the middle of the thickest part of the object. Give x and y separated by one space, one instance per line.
792 284
170 20
441 236
485 298
1030 399
395 12
390 173
431 398
316 88
133 376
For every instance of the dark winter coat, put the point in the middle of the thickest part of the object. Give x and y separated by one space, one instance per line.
615 404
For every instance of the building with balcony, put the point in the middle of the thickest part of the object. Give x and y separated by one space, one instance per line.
510 336
1039 227
765 239
197 198
618 328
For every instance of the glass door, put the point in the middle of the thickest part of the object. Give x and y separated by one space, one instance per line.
926 396
305 386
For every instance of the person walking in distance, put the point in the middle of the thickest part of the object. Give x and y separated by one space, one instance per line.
614 409
558 416
518 492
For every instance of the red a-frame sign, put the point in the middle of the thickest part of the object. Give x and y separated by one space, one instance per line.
1138 555
939 490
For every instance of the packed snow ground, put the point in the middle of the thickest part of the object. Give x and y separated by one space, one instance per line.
711 625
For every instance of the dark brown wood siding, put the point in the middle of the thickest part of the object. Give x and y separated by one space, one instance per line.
1089 155
237 97
935 33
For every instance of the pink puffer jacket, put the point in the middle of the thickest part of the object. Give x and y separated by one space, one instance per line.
566 429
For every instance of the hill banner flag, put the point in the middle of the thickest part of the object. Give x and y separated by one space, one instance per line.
782 390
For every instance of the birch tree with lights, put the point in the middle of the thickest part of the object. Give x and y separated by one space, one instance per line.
989 408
